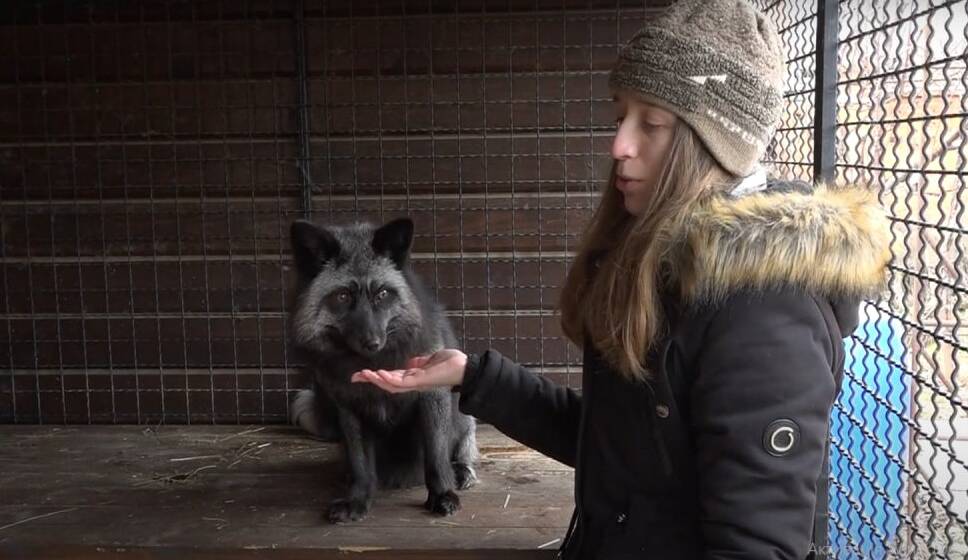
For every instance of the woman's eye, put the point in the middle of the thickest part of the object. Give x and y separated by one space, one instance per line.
618 121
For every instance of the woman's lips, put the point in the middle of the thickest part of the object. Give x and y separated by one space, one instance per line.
623 183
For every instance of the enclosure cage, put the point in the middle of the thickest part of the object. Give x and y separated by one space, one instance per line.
153 154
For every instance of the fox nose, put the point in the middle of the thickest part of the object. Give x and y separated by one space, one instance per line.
371 345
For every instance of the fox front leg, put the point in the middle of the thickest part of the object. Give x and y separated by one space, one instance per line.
438 472
360 456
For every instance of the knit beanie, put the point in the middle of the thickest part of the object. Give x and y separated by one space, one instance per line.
718 65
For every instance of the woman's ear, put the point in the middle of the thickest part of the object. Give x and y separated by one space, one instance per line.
393 240
312 247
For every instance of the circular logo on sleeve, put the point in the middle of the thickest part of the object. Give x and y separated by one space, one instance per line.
781 437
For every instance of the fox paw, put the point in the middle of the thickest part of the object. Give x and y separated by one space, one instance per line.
341 511
465 475
445 503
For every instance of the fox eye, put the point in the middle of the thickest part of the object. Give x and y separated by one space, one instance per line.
343 296
382 294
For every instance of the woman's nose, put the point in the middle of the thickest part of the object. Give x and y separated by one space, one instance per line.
624 145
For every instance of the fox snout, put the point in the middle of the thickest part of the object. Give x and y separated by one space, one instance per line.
367 343
371 345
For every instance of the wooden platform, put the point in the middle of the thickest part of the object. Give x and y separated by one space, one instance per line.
253 492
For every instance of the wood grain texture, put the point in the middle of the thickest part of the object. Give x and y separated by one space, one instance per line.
80 492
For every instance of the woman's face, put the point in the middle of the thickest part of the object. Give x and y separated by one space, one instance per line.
643 138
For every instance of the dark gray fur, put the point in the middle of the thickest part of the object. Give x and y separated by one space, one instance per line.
391 440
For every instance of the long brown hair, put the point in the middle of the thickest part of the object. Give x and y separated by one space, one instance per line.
618 305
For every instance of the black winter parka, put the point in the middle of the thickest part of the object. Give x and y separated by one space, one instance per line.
720 454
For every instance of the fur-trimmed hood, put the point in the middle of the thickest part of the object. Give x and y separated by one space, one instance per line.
831 241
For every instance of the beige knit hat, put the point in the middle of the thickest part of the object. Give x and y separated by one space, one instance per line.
718 65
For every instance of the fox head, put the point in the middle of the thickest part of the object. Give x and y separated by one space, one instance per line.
356 291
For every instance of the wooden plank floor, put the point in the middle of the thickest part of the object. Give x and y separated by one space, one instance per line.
253 492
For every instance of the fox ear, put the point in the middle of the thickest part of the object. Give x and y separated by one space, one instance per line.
394 239
312 247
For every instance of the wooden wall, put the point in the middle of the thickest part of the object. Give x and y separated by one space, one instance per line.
149 171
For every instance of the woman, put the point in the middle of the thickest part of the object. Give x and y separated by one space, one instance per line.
710 306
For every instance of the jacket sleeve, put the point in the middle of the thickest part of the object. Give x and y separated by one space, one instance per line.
764 383
522 405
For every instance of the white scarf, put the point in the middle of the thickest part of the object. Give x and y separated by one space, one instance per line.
754 182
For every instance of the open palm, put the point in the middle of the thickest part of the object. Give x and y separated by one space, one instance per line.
444 368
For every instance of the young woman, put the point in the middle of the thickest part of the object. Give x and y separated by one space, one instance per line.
710 305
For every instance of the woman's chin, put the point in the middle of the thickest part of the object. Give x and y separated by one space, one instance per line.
632 206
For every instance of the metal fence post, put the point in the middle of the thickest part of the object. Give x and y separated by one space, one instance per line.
825 117
824 160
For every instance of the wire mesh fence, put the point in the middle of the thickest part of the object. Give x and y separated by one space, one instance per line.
153 154
903 129
898 477
147 179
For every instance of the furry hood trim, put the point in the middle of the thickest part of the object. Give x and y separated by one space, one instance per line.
832 241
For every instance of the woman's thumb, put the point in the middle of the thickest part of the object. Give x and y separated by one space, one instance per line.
417 362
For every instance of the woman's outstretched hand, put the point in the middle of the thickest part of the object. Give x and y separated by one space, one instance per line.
444 368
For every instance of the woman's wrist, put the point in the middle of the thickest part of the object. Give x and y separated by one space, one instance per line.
470 366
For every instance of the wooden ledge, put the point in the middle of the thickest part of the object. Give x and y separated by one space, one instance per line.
214 492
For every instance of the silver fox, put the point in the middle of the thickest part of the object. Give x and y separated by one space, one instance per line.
358 306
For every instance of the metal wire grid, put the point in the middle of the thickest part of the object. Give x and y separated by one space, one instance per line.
908 137
898 479
146 160
458 143
156 153
487 120
791 152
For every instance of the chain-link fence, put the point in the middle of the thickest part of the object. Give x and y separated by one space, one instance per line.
153 154
890 113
